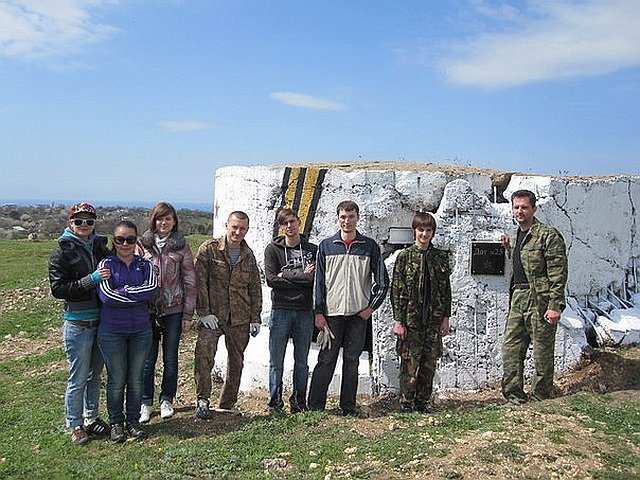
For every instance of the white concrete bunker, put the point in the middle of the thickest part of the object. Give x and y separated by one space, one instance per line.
597 217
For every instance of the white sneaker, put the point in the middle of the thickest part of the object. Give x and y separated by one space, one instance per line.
166 409
145 413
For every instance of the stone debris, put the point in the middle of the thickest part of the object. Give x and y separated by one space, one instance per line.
350 450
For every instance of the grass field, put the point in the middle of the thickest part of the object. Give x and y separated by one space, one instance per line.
586 435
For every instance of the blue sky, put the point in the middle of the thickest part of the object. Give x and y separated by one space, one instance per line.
143 100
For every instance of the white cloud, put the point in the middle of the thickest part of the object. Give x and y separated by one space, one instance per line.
307 101
173 126
495 11
38 29
553 39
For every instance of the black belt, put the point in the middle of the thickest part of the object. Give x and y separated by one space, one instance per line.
520 286
80 323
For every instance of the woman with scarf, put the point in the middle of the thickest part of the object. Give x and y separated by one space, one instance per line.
172 310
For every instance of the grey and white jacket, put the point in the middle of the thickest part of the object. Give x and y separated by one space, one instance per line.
349 279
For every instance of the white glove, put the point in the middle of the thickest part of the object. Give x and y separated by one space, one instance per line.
254 328
210 322
325 338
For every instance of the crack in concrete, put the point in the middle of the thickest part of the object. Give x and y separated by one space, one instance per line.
633 216
564 210
610 261
633 232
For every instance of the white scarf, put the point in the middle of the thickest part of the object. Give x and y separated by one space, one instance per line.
161 241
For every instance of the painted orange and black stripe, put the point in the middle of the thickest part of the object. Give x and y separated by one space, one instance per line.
301 190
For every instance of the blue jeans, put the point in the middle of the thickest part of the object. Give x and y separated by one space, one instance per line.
169 329
287 323
82 398
124 355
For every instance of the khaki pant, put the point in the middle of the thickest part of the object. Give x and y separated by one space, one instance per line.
236 339
525 325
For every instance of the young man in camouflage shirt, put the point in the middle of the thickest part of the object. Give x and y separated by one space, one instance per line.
421 300
537 299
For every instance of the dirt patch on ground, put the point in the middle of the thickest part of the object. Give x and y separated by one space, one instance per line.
603 370
22 300
15 347
19 299
530 444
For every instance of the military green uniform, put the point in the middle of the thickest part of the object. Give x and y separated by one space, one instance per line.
234 295
544 261
422 346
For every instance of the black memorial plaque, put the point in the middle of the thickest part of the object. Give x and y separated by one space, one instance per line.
487 258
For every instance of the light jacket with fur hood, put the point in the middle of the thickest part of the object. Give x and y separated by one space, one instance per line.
176 274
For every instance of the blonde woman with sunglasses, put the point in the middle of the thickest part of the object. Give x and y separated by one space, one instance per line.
124 335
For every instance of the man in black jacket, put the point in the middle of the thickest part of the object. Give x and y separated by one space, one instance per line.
289 262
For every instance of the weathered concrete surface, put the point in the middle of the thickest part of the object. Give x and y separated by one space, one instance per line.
596 216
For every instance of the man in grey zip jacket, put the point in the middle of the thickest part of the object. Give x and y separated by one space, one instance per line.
351 282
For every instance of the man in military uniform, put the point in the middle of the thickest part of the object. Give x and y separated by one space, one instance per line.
229 301
421 300
537 299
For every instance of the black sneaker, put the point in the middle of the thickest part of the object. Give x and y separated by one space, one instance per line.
202 410
406 408
118 434
134 430
275 410
516 400
351 412
422 408
97 427
298 408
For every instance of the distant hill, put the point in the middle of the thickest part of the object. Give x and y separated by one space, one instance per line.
49 221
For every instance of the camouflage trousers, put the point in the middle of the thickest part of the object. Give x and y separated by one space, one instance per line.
236 339
418 352
526 325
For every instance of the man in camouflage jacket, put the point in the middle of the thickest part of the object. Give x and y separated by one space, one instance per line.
421 300
229 302
537 299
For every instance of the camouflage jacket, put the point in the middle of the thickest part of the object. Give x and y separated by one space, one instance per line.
544 260
408 283
233 294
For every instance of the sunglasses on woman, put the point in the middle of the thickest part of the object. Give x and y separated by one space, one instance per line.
83 221
131 240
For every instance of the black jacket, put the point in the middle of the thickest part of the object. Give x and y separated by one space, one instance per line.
294 290
70 269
